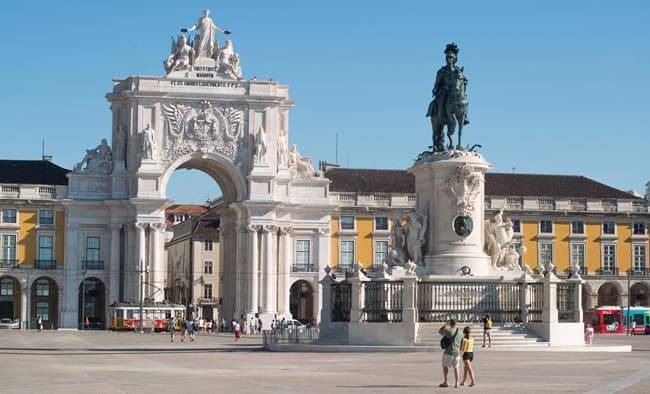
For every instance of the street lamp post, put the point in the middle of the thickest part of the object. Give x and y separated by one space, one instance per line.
142 273
83 299
629 325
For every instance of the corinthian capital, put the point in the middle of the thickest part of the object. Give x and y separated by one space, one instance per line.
284 230
253 228
141 226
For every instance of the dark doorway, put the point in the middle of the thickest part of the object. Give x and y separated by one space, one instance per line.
92 304
301 301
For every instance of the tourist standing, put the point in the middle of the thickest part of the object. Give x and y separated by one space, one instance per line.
183 330
589 334
487 329
467 354
209 326
223 324
258 325
253 324
451 339
191 326
39 323
171 327
237 328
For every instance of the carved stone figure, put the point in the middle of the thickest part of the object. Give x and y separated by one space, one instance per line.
149 143
229 61
261 146
181 56
96 160
283 149
498 242
300 166
465 185
449 105
397 253
120 143
416 227
205 43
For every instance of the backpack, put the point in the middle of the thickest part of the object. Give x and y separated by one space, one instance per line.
446 342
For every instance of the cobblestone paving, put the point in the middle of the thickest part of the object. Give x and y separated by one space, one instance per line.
105 362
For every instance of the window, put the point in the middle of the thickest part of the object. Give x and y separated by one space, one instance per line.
347 254
381 252
8 247
381 223
578 256
43 310
92 249
207 291
207 267
577 227
546 226
639 257
347 222
207 245
180 217
546 254
516 225
6 287
45 248
302 253
43 288
609 228
609 257
46 216
638 228
9 216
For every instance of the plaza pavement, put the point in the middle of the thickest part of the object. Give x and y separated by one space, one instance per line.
106 362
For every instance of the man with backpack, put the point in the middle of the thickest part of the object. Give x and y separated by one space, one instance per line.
450 342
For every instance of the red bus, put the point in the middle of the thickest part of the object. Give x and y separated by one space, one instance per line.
607 319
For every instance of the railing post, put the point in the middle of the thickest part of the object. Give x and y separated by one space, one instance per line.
326 308
524 301
409 308
577 294
550 312
358 295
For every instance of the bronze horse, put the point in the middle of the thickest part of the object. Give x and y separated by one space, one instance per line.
455 114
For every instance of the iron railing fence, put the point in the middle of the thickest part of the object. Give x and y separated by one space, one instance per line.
535 302
468 302
288 336
341 302
382 301
567 310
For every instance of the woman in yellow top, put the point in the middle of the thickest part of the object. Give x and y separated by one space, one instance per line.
467 352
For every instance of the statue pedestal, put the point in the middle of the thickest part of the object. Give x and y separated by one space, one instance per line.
450 193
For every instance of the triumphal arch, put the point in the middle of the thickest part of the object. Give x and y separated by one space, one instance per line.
202 114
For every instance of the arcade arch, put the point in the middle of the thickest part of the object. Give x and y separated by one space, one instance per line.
301 301
609 294
45 302
10 298
92 304
639 294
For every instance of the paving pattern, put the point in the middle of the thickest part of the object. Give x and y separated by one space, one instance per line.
105 362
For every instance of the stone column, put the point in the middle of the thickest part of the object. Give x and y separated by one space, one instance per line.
284 267
254 270
524 301
24 304
114 278
268 274
157 266
550 313
71 269
142 257
409 309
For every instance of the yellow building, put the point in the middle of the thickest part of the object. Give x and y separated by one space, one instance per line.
564 220
32 231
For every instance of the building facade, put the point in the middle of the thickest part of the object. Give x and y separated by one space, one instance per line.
565 220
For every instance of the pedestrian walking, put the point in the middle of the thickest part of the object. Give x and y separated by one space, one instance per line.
183 330
589 334
450 342
487 329
209 326
633 327
171 327
237 328
258 326
39 323
191 329
223 324
253 324
467 354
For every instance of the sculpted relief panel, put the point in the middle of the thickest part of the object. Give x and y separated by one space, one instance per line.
203 127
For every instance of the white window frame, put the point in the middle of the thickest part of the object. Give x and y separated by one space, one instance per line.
297 251
540 227
644 265
86 237
584 227
521 226
645 229
584 254
354 251
374 224
207 286
207 242
602 261
354 223
53 217
13 286
2 219
205 265
38 245
375 252
539 252
2 245
602 229
49 290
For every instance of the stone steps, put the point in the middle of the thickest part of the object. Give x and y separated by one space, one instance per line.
503 336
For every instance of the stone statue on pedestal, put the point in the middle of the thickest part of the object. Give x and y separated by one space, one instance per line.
300 166
205 43
261 146
498 243
229 61
416 227
181 56
148 143
449 105
97 160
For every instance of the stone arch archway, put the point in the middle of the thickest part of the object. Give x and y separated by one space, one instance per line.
92 304
301 301
609 294
10 298
45 301
639 294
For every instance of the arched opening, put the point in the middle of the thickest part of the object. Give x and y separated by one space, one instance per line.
301 301
92 304
639 295
608 294
45 303
201 244
10 298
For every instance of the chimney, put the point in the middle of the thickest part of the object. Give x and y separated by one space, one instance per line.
47 158
647 190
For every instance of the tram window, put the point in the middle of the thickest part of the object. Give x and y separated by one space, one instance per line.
639 320
610 319
129 314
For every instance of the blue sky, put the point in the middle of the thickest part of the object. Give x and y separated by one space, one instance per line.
555 86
